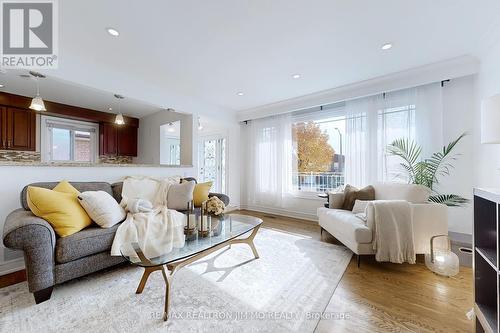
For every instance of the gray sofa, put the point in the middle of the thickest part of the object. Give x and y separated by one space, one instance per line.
50 259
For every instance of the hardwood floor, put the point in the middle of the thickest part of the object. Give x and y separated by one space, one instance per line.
12 278
384 297
380 297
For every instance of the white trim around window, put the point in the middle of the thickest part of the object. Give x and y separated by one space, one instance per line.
48 123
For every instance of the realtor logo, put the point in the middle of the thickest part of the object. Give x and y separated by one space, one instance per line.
29 34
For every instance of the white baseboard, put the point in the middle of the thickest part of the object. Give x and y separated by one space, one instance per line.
11 266
282 212
232 208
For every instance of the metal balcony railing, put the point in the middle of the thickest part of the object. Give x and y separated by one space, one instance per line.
317 181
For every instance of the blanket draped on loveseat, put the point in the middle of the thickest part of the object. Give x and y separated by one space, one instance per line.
157 231
393 231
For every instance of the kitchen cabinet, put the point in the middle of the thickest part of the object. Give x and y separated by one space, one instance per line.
127 140
17 129
118 140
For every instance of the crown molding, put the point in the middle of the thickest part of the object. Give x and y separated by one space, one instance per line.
444 70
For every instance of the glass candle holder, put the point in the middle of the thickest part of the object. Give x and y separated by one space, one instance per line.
190 226
442 260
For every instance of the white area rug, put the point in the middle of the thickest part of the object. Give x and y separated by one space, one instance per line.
283 291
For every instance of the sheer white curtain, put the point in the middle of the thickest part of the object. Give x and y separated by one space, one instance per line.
396 119
271 156
371 123
429 118
374 122
356 150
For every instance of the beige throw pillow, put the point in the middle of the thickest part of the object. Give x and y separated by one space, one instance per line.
352 194
336 200
179 195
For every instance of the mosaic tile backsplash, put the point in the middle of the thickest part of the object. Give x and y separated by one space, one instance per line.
115 159
34 157
19 156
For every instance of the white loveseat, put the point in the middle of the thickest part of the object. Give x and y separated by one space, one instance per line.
429 219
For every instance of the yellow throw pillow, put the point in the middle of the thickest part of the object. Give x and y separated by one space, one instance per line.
59 207
65 187
200 193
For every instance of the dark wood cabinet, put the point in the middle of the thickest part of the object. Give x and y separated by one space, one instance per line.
117 139
3 128
486 266
17 129
127 141
107 139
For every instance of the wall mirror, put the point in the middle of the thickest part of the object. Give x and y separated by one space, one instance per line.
170 143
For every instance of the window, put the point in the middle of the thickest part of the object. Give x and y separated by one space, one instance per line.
65 140
321 148
319 145
393 123
320 137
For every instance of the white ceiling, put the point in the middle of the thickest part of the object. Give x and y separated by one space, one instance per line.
195 55
66 92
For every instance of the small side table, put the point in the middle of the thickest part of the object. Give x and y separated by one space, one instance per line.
325 196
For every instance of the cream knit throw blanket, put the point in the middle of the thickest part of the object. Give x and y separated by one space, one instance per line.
157 231
393 230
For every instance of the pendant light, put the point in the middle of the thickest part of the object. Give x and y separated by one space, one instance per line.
119 117
171 127
37 103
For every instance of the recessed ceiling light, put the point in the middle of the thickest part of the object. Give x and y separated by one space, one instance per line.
1 85
113 32
240 93
110 109
386 46
296 76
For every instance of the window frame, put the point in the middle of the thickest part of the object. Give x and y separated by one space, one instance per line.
386 173
47 123
316 115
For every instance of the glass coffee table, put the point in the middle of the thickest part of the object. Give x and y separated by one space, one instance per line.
226 233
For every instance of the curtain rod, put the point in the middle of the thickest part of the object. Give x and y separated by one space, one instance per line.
321 107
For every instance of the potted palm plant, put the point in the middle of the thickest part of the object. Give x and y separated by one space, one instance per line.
428 171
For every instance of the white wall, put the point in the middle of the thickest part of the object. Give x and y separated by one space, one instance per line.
148 144
459 104
487 156
224 125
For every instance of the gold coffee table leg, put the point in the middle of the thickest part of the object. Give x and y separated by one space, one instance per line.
167 276
145 276
173 267
249 241
168 281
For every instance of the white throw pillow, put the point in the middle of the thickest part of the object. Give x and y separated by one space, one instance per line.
143 187
360 206
102 208
179 195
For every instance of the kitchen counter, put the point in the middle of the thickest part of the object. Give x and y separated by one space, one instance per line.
90 165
